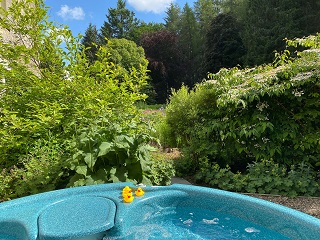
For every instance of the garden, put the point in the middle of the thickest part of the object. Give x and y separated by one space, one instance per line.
68 122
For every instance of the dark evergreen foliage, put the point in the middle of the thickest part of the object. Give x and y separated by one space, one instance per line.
91 43
224 46
120 22
268 22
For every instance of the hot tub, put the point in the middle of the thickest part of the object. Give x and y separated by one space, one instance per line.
171 212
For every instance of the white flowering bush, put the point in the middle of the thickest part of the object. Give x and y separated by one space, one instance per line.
270 112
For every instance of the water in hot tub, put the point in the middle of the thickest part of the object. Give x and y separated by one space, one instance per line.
193 223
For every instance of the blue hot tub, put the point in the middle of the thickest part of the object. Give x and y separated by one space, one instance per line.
172 212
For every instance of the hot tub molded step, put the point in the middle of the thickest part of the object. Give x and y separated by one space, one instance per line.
76 217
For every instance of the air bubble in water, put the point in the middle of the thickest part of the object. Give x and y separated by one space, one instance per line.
213 221
251 230
188 222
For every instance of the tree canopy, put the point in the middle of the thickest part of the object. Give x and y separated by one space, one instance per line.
120 22
91 43
224 46
213 34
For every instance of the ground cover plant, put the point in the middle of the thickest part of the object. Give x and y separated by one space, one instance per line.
239 119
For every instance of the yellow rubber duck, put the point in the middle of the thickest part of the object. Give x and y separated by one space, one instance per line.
126 190
139 192
128 198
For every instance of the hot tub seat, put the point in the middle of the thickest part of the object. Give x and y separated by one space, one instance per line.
12 230
76 217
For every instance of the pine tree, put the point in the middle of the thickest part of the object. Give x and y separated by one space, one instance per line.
224 46
172 19
189 41
268 22
120 22
205 11
91 43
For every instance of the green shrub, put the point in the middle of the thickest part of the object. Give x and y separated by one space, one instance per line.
42 169
50 93
241 116
162 169
111 152
270 177
265 177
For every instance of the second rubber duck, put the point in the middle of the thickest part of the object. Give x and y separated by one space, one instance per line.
139 192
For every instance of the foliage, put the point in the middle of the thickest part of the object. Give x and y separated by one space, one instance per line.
130 57
242 116
224 46
120 22
126 53
42 106
91 42
268 177
207 38
155 116
162 169
172 20
265 177
106 152
190 46
144 28
205 11
162 51
38 171
268 22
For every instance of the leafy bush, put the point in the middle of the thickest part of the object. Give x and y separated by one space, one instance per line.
265 177
39 171
49 93
162 169
108 152
270 177
241 116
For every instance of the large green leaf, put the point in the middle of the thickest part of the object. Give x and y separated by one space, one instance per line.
90 160
121 142
118 174
82 170
104 148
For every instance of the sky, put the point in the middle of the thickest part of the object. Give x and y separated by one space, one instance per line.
78 14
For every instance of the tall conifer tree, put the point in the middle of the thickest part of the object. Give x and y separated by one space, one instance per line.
189 40
91 42
269 22
172 20
120 22
224 46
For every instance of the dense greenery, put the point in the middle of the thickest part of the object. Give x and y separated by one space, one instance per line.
224 46
241 33
127 54
120 23
267 113
109 152
212 34
68 105
53 101
264 177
